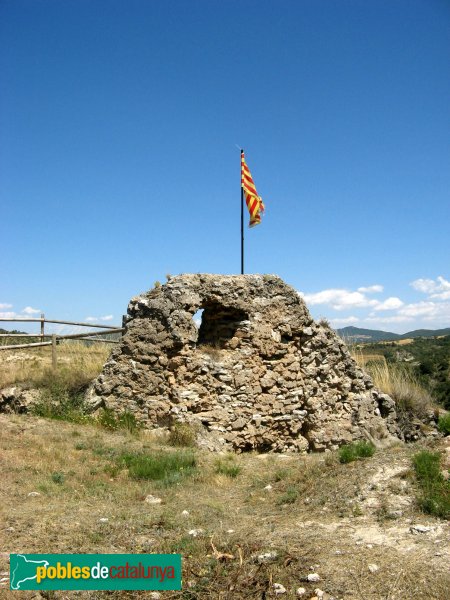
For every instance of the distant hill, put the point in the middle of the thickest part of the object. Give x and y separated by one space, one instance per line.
357 334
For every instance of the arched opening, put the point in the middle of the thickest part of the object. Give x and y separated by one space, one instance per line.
219 324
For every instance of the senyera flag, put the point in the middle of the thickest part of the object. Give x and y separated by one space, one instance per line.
254 202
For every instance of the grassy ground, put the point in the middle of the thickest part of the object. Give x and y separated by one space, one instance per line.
77 361
318 515
314 513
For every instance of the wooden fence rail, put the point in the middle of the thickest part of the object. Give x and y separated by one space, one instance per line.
56 338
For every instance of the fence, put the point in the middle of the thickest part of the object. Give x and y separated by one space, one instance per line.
56 338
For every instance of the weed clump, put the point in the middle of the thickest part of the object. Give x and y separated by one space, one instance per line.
356 450
434 498
58 478
126 420
227 466
59 400
182 435
289 497
166 467
444 424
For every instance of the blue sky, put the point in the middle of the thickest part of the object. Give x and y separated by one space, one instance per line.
119 122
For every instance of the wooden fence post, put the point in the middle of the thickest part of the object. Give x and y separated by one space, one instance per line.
42 326
54 351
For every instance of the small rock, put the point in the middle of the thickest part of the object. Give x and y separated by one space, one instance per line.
195 532
155 595
373 568
230 530
301 591
3 579
103 520
319 593
153 499
266 557
313 577
185 513
268 487
33 494
279 589
420 529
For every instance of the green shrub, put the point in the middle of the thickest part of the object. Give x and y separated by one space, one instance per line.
57 402
128 421
444 424
107 419
227 466
168 467
58 478
182 435
351 452
289 497
434 497
110 420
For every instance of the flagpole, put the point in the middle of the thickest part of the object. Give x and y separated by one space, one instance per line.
242 221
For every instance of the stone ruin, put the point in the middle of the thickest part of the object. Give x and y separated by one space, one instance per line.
258 373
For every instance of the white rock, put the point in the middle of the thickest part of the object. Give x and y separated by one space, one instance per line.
103 519
230 530
313 577
195 532
373 568
33 494
152 499
155 595
268 487
301 591
319 593
279 589
267 557
185 513
420 529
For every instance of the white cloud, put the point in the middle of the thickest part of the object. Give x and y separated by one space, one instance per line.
339 299
107 318
423 285
345 321
5 305
393 319
91 319
391 303
371 289
8 315
28 310
439 289
428 311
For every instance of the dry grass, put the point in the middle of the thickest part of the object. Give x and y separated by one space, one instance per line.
409 395
403 387
31 365
316 516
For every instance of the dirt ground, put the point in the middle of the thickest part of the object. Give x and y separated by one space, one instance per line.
282 518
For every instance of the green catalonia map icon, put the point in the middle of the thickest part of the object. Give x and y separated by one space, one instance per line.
23 569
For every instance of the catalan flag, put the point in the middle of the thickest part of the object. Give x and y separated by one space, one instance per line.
254 202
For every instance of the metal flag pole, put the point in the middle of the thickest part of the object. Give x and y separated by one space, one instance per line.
242 221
